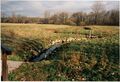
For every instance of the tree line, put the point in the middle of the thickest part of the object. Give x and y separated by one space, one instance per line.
98 16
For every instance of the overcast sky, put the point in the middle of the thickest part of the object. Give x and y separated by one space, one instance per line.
38 7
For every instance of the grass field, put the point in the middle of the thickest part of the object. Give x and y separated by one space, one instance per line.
91 59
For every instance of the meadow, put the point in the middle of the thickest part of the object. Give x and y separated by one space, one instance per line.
90 59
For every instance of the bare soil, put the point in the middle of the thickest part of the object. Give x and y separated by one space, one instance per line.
12 65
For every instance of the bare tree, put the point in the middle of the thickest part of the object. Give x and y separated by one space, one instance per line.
63 17
114 17
46 16
78 17
3 15
98 8
13 18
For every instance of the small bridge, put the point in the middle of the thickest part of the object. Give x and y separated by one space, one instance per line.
45 54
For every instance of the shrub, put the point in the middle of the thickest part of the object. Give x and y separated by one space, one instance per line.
82 23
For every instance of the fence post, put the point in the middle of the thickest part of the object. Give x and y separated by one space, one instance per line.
5 51
4 68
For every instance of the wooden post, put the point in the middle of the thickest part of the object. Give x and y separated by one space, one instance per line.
90 31
5 51
90 34
4 68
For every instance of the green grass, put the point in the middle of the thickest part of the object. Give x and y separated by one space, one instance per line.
93 59
78 61
14 58
11 76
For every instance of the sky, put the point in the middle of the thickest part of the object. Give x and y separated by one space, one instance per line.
38 7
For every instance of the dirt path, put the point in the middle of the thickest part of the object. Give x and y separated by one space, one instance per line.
12 65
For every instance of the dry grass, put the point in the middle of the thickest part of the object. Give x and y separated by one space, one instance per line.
74 61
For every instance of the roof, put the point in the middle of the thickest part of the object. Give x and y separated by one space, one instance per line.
6 50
